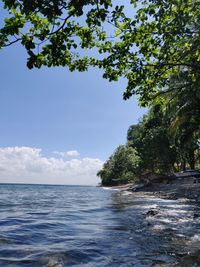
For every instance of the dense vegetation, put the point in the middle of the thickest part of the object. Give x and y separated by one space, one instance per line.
154 44
144 41
121 167
160 144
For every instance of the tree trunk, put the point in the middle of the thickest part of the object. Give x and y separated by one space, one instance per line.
183 165
192 164
191 160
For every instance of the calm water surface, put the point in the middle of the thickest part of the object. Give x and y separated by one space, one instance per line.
56 226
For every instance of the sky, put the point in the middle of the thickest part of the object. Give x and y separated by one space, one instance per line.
58 127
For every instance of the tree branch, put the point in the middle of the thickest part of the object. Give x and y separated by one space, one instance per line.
13 42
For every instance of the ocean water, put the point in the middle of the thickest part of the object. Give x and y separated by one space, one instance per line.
56 226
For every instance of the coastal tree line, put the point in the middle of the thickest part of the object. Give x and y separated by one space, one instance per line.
161 143
153 44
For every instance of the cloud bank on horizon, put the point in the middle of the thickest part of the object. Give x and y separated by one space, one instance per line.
28 165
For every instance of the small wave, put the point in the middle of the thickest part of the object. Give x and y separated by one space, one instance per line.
85 226
109 188
196 237
126 193
54 263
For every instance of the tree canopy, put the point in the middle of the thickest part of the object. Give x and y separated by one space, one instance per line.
147 44
121 167
154 44
153 147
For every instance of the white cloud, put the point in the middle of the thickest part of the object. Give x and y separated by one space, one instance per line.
71 153
28 165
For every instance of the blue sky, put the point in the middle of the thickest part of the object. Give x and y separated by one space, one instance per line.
58 110
55 110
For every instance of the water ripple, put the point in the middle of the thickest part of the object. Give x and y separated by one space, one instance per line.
58 226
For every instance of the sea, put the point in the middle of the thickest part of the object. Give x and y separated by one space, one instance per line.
57 226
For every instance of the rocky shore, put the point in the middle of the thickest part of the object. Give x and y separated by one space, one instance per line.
179 188
187 188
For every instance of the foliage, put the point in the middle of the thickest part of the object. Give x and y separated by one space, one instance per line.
156 147
183 109
152 141
168 140
158 40
121 167
156 49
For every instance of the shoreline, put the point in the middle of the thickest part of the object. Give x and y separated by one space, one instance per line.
179 188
